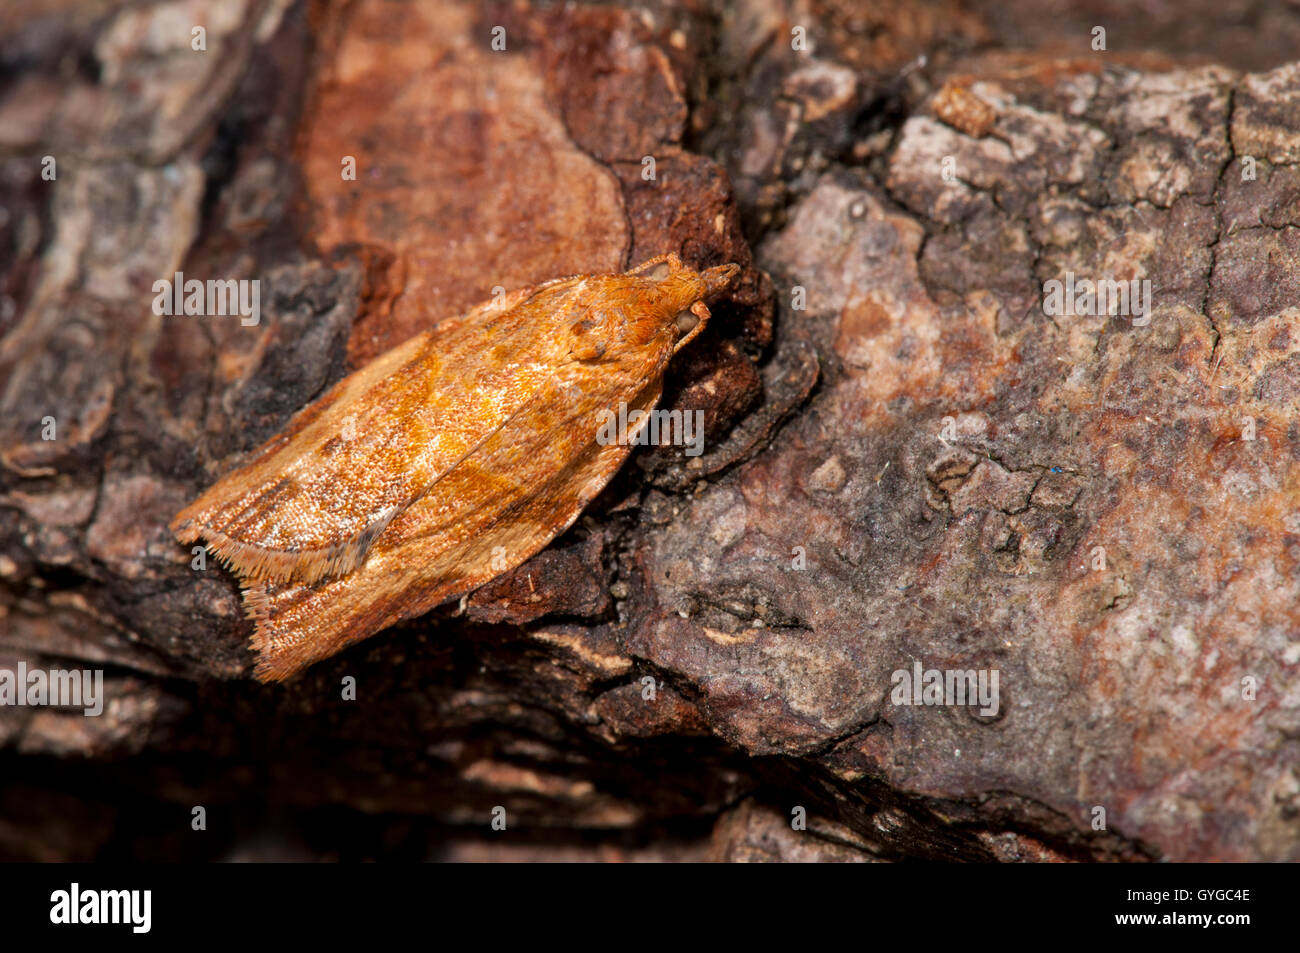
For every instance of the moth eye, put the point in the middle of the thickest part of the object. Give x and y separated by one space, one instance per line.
686 321
659 272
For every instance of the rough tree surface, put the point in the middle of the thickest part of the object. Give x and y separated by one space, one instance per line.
907 460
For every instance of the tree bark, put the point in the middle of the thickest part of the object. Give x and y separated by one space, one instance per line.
913 461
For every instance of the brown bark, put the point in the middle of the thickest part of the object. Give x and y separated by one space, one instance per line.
915 463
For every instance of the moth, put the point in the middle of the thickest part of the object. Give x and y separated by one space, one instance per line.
446 461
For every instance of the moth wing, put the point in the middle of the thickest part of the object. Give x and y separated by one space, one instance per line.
473 527
298 512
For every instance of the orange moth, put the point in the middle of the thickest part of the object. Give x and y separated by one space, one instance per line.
446 461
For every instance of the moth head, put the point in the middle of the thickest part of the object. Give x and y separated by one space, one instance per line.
677 296
662 299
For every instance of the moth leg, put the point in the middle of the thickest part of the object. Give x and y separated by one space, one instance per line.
702 314
672 260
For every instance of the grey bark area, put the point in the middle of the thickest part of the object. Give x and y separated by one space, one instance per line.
909 465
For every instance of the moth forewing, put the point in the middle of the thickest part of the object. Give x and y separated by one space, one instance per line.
448 544
310 507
